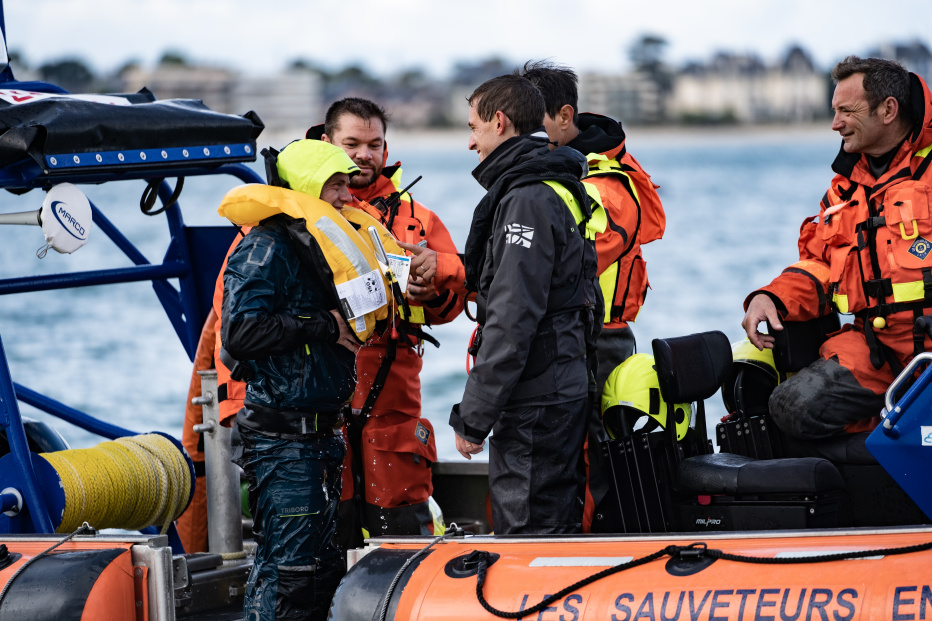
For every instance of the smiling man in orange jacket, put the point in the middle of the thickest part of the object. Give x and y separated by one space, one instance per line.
397 445
867 252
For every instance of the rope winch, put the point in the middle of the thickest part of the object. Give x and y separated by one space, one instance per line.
129 483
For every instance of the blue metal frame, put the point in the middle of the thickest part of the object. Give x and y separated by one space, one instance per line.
180 305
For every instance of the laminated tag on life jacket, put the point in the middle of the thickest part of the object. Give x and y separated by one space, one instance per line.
400 266
362 294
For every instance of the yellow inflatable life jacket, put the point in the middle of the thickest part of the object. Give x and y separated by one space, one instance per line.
342 236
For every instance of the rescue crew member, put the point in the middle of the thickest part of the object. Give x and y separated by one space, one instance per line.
280 321
635 217
397 444
534 274
867 252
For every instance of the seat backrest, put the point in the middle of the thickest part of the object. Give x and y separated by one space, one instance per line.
691 368
797 345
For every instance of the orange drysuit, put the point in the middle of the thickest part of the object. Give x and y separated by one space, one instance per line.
866 253
398 445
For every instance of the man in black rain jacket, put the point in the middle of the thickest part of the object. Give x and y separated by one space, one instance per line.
534 274
280 321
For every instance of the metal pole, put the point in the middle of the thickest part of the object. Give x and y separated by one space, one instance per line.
224 517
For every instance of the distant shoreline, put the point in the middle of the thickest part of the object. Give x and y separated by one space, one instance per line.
455 137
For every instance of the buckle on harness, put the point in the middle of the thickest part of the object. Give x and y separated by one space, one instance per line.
914 235
874 222
879 288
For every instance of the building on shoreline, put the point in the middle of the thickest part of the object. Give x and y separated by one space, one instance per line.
291 98
727 89
740 88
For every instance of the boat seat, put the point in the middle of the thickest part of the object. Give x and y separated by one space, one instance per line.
847 449
872 497
735 492
738 475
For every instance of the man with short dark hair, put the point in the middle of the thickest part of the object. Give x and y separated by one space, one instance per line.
635 217
533 271
394 446
866 253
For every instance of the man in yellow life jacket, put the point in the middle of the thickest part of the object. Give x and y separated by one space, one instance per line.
396 445
302 291
635 216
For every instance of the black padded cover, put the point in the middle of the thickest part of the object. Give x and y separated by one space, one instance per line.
726 473
692 368
59 125
797 345
362 591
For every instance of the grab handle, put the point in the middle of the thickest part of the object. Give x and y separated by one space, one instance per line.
892 413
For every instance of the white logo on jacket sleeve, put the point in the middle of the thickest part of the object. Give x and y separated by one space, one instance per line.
518 234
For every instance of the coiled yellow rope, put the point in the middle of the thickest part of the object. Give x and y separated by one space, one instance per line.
129 483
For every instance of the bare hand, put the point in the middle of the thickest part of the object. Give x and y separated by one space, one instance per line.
467 449
423 262
419 290
347 339
761 309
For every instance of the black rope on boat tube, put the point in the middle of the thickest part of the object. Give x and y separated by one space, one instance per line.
452 531
695 550
84 528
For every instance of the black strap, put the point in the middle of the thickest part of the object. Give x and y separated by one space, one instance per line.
270 156
355 424
880 353
824 304
151 193
381 376
920 170
877 353
920 329
871 235
871 223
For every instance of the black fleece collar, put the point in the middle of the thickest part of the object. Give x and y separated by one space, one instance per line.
598 134
518 161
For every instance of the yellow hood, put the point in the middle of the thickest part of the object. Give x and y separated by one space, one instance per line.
305 165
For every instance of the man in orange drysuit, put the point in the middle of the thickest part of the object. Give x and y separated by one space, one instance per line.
397 445
635 217
867 253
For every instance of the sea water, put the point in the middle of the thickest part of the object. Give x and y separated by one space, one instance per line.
734 202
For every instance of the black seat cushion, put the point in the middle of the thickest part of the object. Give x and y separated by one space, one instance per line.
849 448
691 368
727 473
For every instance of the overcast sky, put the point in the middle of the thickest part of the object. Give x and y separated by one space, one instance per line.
386 36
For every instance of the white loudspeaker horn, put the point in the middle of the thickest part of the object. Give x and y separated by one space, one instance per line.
66 219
